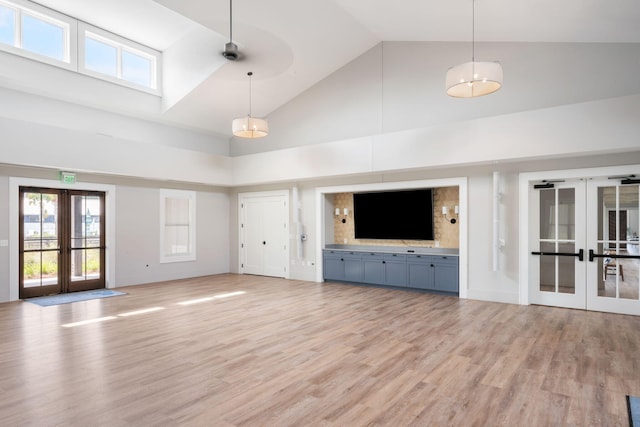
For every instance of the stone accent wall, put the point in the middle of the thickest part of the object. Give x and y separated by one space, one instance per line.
445 233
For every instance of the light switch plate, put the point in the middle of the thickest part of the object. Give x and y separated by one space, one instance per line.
4 243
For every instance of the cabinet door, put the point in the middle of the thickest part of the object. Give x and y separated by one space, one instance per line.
396 270
333 267
446 274
353 271
420 272
374 268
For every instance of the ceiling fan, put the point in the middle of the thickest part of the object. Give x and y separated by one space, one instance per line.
230 51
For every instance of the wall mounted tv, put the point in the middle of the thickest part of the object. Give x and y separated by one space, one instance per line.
398 215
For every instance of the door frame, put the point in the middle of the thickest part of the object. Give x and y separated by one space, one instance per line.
526 216
287 238
110 212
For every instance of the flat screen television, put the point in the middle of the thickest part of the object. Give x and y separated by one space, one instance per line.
398 215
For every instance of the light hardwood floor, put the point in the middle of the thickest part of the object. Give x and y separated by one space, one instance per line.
308 354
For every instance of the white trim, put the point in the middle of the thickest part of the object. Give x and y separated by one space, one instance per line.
461 183
120 43
14 212
50 16
191 197
525 179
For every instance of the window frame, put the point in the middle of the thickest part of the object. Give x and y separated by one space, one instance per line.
74 33
69 26
190 255
120 43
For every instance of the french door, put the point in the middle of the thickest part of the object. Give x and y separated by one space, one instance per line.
585 245
61 241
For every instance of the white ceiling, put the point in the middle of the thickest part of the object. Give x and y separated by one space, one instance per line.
292 44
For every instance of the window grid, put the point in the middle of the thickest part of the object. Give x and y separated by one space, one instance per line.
120 49
77 38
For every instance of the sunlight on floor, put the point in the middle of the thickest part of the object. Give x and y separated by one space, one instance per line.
87 322
219 296
153 309
143 311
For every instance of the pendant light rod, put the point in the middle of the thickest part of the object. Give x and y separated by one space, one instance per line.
250 73
473 31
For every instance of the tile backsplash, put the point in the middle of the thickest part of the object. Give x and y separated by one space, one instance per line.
445 233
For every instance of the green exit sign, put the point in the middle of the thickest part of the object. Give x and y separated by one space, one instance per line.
67 177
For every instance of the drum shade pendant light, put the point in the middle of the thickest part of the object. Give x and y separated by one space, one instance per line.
475 78
250 127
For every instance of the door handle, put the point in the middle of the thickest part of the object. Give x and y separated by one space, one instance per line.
593 255
579 254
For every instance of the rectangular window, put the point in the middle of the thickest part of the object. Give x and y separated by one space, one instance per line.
109 57
36 32
100 57
136 68
30 30
44 36
177 225
7 25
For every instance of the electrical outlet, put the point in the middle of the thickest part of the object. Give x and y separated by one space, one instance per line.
437 243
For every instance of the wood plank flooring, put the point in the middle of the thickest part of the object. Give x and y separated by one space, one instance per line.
291 353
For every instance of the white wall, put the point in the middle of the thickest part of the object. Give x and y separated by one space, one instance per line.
138 237
137 229
399 86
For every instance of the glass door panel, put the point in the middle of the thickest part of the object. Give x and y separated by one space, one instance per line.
87 241
613 241
40 244
558 257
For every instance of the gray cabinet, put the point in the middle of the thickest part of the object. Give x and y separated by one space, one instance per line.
420 271
333 265
395 269
340 265
353 268
445 275
374 268
428 272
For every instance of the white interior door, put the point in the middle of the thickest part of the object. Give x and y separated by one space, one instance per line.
264 219
557 260
584 245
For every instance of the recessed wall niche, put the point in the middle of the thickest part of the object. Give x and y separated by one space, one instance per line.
445 233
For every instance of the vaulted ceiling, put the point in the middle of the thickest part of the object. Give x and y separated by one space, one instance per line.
291 45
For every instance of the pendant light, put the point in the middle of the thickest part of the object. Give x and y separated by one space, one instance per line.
250 127
230 51
475 78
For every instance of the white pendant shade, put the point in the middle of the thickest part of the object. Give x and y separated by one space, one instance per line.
250 127
473 79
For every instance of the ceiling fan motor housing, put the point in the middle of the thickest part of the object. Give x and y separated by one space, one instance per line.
230 51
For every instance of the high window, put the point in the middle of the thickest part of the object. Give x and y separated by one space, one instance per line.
35 32
114 58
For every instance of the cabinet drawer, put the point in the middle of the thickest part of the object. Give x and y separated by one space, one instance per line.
395 257
413 258
445 260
